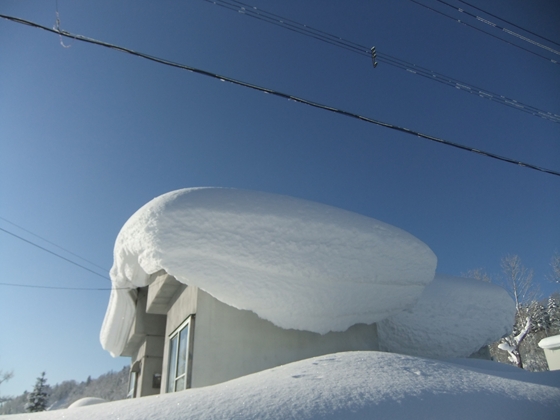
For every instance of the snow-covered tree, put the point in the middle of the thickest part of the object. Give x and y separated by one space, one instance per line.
540 319
512 343
37 399
553 311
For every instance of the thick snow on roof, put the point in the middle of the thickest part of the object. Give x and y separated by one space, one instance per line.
454 317
347 386
296 263
550 342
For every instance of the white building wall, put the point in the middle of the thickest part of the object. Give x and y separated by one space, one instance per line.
229 343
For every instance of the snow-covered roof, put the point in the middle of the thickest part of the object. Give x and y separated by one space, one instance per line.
454 317
299 264
550 342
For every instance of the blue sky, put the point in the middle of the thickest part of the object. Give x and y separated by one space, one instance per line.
88 135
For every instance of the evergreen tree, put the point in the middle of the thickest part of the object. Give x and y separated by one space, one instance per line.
37 399
540 319
553 310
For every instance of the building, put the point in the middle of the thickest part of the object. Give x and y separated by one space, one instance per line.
182 337
211 284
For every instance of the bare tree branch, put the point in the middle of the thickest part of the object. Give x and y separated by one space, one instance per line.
555 264
518 281
5 376
478 274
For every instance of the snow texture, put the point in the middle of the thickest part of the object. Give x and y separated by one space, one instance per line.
550 342
299 264
82 402
348 386
454 317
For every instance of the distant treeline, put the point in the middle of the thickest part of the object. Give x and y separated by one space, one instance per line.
110 386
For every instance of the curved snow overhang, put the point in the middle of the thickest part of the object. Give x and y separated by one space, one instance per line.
298 264
454 317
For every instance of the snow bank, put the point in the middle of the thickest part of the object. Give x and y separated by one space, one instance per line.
506 371
454 317
343 386
298 264
82 402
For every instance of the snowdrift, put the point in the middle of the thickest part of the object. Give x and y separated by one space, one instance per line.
454 317
83 402
299 264
348 386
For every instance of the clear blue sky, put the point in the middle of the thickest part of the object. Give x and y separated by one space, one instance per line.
88 135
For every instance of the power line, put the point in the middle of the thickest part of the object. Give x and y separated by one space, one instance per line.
509 23
487 33
507 31
281 95
55 254
289 24
35 286
337 41
52 243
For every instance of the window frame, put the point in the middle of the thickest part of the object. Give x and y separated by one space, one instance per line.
175 378
133 378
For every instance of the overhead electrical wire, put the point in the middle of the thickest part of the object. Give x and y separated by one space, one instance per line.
53 244
509 23
507 31
282 95
487 33
365 51
34 286
55 254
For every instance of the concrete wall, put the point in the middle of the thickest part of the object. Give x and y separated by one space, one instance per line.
229 343
150 356
144 325
161 292
145 345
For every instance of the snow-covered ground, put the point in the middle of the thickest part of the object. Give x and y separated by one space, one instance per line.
349 386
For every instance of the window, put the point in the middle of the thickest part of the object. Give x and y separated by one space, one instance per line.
180 355
133 380
132 385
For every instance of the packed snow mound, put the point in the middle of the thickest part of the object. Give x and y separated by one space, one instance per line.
299 264
454 317
82 402
343 386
